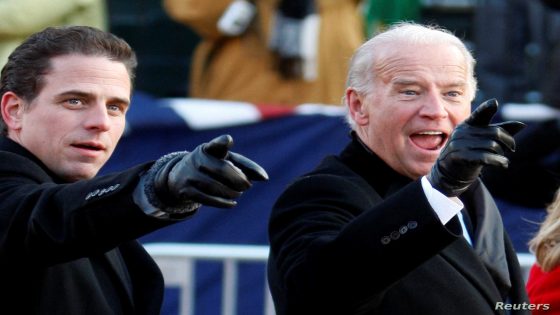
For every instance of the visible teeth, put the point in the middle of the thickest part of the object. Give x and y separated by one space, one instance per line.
431 133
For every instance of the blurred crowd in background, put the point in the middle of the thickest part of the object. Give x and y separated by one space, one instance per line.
183 53
514 41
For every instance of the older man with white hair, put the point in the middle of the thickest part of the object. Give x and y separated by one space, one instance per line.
398 222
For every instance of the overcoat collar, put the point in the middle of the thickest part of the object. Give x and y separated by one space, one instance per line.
9 145
372 168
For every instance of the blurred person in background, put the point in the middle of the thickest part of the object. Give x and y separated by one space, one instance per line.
67 236
282 52
533 175
523 36
379 14
21 18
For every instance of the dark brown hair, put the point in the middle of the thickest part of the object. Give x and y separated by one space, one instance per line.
24 72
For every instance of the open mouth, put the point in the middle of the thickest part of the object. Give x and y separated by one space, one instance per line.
429 140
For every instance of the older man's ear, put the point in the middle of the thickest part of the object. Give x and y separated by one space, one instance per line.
357 107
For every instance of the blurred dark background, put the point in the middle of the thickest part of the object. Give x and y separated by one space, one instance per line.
163 46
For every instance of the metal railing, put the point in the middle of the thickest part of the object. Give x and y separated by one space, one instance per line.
177 262
526 261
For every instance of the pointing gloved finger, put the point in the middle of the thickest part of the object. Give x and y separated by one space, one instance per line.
505 132
505 139
482 157
213 187
252 170
198 195
496 160
471 151
488 145
214 201
483 114
512 127
217 202
226 173
219 146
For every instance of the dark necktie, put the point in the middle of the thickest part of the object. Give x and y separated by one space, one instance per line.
468 223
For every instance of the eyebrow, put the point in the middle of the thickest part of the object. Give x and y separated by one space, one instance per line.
406 82
457 84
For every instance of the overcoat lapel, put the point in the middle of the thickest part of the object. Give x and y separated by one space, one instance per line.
461 256
116 265
489 235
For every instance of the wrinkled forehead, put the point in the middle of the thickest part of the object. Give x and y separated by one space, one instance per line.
432 60
405 54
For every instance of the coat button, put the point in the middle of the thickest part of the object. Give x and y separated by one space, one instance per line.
412 225
403 229
395 235
92 194
385 240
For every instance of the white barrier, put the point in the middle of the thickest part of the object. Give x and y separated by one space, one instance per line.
177 261
526 261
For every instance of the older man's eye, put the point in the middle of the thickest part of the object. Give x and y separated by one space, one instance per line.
409 92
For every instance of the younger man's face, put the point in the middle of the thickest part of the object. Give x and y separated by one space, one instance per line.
75 122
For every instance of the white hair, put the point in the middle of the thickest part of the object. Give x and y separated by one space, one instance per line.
361 73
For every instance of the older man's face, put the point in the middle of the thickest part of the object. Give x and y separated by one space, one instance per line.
75 122
421 93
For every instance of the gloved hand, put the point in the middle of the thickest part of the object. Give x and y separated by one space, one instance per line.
472 145
210 175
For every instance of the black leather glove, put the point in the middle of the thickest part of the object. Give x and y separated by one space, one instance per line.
472 145
210 175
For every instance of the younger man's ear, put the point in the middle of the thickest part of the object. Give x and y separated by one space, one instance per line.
12 107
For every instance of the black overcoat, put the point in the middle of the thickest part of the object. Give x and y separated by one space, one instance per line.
70 248
355 237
